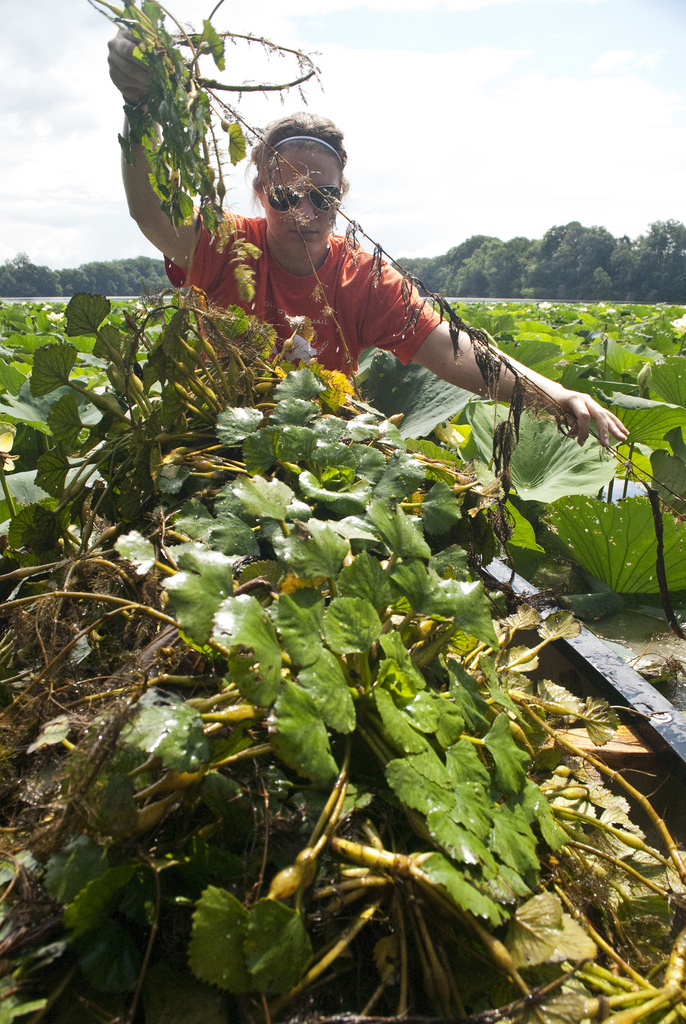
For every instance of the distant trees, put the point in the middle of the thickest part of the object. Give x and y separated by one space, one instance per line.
20 278
569 262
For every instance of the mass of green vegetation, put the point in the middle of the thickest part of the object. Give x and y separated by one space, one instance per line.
569 262
270 748
20 278
262 723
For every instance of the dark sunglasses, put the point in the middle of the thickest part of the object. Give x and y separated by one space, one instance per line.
282 198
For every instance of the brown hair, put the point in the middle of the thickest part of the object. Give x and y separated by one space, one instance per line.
263 157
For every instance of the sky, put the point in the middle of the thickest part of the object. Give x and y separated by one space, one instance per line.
461 117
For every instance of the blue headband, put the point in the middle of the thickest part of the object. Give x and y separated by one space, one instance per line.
309 138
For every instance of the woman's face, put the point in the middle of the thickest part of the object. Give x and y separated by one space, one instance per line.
299 237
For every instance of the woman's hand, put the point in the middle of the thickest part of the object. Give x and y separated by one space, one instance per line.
129 76
581 409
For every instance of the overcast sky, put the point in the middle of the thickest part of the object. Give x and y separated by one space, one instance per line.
462 117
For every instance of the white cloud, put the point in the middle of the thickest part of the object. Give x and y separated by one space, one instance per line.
442 145
611 60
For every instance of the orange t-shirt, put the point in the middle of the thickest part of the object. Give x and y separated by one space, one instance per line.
368 312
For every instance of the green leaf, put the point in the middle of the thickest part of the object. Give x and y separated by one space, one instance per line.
168 728
451 562
648 421
54 731
171 996
511 763
136 549
277 948
73 867
296 444
241 622
515 842
234 424
52 365
600 720
402 475
237 144
459 843
64 421
214 41
51 471
110 958
198 590
298 734
670 479
267 499
351 625
93 904
546 465
541 933
364 578
300 383
311 550
442 872
423 397
406 739
440 509
399 533
326 684
215 952
668 380
294 412
299 619
85 313
343 503
616 543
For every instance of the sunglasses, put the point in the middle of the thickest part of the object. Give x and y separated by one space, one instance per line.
282 198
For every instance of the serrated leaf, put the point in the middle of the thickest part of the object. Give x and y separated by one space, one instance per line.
235 424
401 477
294 412
73 867
600 720
95 900
198 590
442 872
52 732
136 549
237 144
298 734
511 763
170 729
52 365
215 952
344 503
564 1008
406 739
299 618
541 933
311 550
171 996
64 421
364 578
351 625
325 682
85 313
399 533
440 509
559 626
263 498
110 958
277 948
300 383
255 663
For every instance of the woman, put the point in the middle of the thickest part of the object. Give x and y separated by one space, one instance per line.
305 270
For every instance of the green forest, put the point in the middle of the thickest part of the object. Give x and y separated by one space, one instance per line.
20 278
569 262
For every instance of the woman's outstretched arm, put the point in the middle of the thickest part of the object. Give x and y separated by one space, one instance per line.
436 353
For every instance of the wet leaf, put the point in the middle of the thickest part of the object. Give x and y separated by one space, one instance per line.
406 739
559 626
298 734
264 498
136 549
442 872
73 867
110 958
169 728
600 720
293 412
326 684
301 384
215 952
235 424
351 625
440 509
277 948
541 933
95 901
401 477
312 549
511 763
197 591
401 535
299 619
365 579
241 622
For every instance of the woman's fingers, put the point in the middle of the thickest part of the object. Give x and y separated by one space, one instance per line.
129 76
583 409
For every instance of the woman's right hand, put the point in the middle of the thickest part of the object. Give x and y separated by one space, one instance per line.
129 76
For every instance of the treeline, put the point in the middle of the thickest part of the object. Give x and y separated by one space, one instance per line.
569 262
20 278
